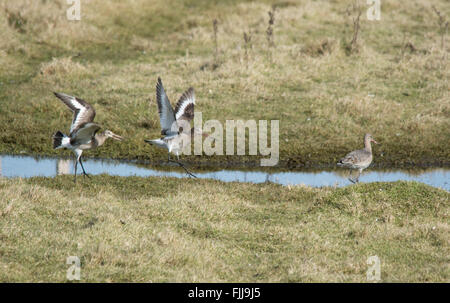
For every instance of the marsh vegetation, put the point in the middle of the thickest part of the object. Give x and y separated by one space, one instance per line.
395 85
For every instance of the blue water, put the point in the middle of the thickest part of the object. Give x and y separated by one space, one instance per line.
26 166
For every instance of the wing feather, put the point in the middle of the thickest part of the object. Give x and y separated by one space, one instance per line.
84 134
83 112
185 106
166 114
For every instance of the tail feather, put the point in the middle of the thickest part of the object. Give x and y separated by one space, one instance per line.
341 162
157 142
153 142
60 140
344 162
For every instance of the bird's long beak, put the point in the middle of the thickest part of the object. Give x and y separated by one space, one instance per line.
374 141
116 137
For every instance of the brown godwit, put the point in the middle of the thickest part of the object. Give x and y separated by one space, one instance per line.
83 132
175 124
359 159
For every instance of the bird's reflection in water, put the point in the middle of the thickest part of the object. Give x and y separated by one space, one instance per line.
63 167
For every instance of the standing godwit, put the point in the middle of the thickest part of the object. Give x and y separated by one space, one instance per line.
83 132
359 159
174 124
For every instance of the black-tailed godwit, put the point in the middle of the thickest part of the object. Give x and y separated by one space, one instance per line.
83 131
175 124
358 159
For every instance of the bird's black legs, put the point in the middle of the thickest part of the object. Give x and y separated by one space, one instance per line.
84 172
187 171
350 177
179 163
78 159
356 180
75 175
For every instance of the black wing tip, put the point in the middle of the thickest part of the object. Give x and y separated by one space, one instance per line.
187 94
63 96
190 92
159 85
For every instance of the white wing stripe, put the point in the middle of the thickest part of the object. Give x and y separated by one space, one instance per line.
83 112
75 103
183 106
78 118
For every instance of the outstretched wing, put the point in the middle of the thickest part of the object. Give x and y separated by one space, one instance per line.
166 115
84 134
83 112
185 106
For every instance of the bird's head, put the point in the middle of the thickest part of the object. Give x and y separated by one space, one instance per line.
369 138
112 135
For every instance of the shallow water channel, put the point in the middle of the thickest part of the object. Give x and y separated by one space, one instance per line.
27 166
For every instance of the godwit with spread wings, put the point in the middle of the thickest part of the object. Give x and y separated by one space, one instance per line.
83 131
175 124
359 159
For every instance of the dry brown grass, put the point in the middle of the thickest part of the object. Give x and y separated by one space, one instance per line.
132 229
61 67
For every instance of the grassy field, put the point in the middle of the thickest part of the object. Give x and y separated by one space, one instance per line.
326 93
302 70
132 229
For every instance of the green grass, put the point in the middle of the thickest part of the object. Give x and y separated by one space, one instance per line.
113 56
134 229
